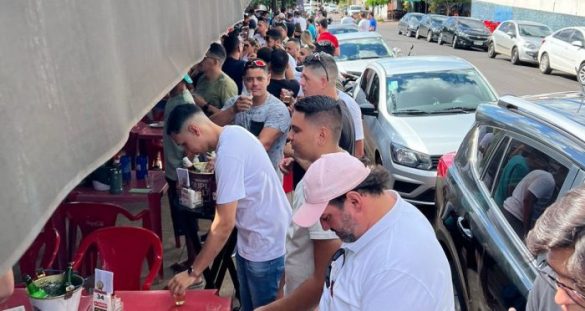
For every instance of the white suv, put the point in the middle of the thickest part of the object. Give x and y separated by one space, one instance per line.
564 50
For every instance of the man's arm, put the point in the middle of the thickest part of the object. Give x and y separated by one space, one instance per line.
224 117
6 285
268 136
307 295
359 149
221 228
289 73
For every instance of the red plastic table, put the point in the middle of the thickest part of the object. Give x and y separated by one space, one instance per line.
199 300
153 198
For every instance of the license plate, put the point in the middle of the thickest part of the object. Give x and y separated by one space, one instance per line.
477 42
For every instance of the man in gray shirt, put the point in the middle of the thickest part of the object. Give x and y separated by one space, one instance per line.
260 112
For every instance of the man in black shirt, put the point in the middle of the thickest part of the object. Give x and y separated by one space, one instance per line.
233 66
278 63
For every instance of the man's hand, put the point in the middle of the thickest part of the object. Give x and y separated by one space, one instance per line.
181 281
243 103
286 164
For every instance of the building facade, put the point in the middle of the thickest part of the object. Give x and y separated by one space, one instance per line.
554 13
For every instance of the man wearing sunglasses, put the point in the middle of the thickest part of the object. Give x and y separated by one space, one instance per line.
261 113
559 236
390 258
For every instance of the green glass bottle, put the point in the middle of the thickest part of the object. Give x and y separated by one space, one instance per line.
33 290
68 279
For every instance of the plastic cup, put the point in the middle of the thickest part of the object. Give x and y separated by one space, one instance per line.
179 299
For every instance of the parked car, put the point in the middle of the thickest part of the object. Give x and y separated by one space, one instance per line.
408 24
337 29
491 25
430 26
354 10
520 40
564 50
356 50
420 108
464 32
511 144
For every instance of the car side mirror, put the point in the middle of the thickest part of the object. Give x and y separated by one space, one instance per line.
368 110
396 52
511 34
577 43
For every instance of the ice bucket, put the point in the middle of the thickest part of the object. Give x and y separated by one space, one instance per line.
67 302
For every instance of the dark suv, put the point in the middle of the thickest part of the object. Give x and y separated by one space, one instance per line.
517 159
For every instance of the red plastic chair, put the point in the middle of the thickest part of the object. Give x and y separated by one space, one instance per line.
88 217
50 239
122 250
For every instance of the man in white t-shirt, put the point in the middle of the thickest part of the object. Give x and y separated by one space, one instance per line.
249 197
531 196
390 258
364 24
315 130
347 19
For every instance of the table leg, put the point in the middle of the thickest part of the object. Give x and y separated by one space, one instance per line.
154 205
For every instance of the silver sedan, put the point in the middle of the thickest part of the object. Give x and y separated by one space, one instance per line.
416 109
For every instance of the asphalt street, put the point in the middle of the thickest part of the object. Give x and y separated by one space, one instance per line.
503 76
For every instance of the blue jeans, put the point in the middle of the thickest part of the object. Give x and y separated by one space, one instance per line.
258 281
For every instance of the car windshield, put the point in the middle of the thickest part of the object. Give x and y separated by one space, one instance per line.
449 91
538 31
362 49
438 20
418 17
471 23
339 30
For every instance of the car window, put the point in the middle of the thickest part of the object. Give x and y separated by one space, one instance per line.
512 29
564 35
527 181
536 31
577 36
449 91
356 49
504 27
373 93
366 77
491 160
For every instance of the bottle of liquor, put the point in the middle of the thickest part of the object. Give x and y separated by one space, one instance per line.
33 290
116 177
67 285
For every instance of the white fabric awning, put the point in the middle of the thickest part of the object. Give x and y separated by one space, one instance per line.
75 76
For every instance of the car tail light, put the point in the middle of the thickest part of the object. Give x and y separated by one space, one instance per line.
445 162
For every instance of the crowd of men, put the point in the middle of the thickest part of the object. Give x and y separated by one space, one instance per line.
265 99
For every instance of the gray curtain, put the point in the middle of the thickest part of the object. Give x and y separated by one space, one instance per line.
75 76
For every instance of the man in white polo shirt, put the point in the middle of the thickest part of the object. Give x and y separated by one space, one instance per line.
390 258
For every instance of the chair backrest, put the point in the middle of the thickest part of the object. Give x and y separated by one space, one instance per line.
50 239
122 250
89 216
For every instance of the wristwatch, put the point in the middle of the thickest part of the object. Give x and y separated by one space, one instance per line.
190 269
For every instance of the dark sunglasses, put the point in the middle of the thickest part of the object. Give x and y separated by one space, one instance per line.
574 294
316 58
329 280
255 63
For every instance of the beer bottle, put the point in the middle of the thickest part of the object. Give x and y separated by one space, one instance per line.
67 279
33 290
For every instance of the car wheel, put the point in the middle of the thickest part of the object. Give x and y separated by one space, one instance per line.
514 57
417 34
409 33
581 74
399 31
491 50
429 36
544 64
440 40
454 43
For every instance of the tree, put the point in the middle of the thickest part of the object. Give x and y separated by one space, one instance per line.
374 3
447 5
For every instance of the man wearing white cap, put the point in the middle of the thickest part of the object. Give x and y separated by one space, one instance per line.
390 258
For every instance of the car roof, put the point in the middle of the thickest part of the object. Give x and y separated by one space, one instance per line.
410 64
342 26
582 28
357 35
564 110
